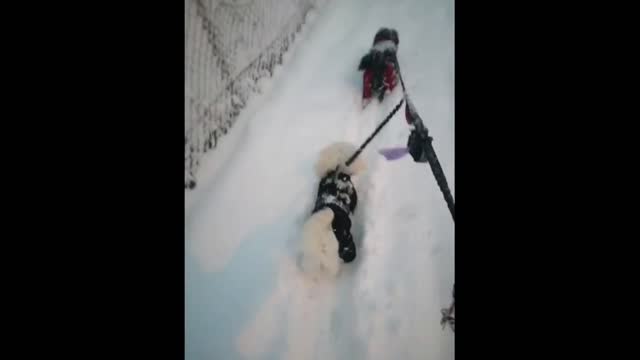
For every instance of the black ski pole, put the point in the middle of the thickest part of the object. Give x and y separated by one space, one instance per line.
421 149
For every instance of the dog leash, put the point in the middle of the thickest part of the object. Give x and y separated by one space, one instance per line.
375 132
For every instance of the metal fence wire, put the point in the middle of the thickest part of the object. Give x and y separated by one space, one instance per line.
229 46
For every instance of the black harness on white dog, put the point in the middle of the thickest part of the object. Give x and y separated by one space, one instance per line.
336 191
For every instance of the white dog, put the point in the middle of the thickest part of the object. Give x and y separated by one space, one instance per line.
326 235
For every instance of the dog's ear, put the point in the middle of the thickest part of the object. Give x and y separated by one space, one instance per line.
365 62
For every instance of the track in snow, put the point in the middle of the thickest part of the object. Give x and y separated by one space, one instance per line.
245 297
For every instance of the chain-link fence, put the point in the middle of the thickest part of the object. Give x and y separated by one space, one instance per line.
229 46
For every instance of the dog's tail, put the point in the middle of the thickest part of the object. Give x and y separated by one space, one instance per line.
337 154
319 244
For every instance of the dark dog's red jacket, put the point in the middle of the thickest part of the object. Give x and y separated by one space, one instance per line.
336 192
379 64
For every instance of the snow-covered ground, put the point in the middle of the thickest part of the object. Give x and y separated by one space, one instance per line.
245 297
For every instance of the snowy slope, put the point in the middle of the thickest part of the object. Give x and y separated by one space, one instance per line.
245 297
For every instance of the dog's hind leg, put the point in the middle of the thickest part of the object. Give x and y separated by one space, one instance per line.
329 255
320 247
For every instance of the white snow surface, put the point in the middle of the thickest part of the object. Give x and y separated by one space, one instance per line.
245 295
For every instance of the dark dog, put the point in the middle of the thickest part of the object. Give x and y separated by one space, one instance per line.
379 65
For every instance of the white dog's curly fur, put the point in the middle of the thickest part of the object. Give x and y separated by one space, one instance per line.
319 244
337 154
